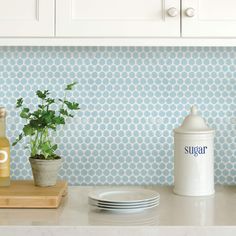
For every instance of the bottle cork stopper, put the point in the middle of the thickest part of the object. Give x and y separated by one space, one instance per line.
2 112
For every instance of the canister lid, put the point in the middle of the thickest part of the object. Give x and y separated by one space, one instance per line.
193 123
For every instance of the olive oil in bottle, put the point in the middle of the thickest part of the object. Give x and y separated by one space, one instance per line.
4 151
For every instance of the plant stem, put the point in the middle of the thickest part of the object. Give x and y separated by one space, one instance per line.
34 149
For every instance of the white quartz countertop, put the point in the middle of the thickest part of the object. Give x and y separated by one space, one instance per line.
176 215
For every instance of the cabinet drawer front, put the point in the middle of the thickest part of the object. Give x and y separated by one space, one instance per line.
212 18
113 18
26 18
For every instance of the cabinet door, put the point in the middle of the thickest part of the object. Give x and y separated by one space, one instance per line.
26 18
117 18
209 18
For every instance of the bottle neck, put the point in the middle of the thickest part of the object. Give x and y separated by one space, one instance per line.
2 127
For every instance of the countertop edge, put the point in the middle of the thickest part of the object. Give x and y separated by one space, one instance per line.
117 230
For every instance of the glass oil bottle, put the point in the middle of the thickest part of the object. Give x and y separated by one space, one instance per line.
4 151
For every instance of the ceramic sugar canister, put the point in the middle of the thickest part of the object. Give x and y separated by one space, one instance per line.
194 157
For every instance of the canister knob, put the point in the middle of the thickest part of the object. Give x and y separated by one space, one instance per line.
194 123
194 110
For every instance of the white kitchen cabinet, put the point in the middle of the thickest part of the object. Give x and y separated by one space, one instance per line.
113 18
26 18
209 18
118 22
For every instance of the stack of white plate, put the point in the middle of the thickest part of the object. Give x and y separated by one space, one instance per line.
124 200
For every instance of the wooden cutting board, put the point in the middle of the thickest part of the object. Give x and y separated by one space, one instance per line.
23 194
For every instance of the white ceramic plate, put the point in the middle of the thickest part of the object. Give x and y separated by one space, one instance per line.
124 196
126 210
126 207
92 202
100 203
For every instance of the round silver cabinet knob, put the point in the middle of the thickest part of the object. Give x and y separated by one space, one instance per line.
190 12
172 12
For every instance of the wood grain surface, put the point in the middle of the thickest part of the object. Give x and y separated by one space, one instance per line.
23 194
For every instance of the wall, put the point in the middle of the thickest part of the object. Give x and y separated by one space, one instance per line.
131 99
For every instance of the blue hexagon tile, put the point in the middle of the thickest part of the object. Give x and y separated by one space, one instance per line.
131 99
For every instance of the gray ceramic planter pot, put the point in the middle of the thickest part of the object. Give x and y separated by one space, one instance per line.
45 171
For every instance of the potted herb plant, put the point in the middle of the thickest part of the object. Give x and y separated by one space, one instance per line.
50 113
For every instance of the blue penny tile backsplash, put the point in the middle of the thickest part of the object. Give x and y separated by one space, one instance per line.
131 99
